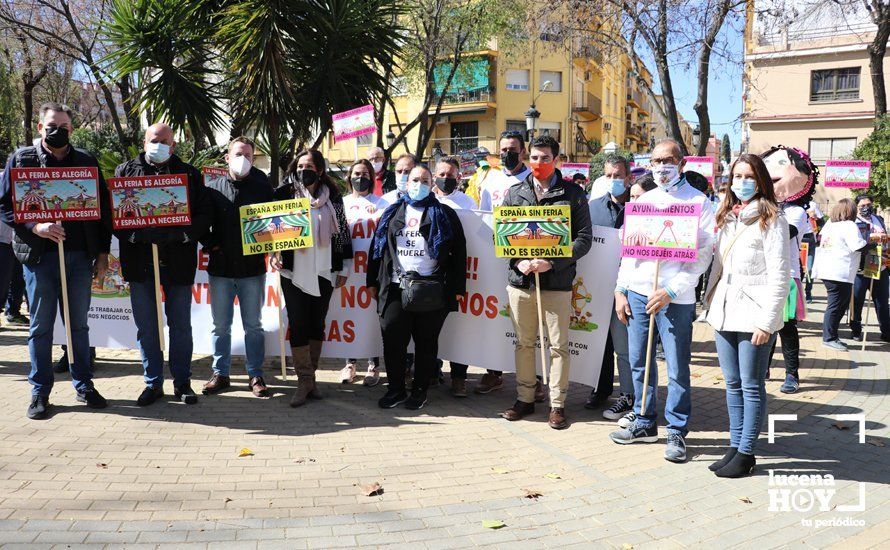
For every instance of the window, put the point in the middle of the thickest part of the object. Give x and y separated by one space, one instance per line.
516 126
464 136
831 148
517 79
367 139
398 86
555 79
834 84
551 129
608 97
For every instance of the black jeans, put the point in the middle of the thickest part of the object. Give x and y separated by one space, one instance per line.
306 313
880 290
790 348
399 327
838 302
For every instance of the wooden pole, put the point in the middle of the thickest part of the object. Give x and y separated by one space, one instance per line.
158 307
852 300
281 329
542 324
65 317
871 287
649 345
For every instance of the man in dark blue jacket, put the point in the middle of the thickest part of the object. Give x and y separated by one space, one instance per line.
35 245
232 273
178 259
872 227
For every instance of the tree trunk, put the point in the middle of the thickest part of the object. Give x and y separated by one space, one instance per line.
876 51
670 106
28 100
274 153
130 111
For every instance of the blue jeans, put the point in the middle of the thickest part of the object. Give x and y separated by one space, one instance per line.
674 324
249 291
744 367
880 290
44 287
178 307
618 333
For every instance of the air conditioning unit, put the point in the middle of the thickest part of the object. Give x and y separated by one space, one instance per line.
607 126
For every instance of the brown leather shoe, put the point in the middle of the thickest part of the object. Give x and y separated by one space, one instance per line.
216 384
305 386
518 411
258 387
489 383
558 419
458 387
540 392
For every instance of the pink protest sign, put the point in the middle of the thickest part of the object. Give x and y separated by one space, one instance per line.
569 169
655 232
852 174
702 165
354 123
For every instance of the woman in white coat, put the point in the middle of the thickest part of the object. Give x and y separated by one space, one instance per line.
746 295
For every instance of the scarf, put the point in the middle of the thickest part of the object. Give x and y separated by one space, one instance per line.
314 261
440 225
324 219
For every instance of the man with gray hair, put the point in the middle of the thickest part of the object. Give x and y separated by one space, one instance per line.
384 178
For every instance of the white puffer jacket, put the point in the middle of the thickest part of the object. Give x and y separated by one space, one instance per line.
754 279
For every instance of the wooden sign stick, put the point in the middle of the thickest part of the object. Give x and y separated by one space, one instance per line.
543 325
281 349
158 307
871 286
649 346
65 317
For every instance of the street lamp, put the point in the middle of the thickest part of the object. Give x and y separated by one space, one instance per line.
696 136
531 117
390 139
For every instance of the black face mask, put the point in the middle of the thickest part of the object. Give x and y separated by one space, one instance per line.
56 136
866 211
447 185
307 177
510 159
362 185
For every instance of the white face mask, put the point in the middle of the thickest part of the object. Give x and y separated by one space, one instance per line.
157 153
239 166
378 165
665 175
402 182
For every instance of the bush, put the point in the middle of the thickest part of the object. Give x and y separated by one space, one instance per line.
876 148
598 162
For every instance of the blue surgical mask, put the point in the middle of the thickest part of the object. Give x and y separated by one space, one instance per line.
744 189
418 190
157 153
617 188
402 182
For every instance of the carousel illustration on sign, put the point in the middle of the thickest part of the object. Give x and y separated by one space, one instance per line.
55 194
533 231
149 201
274 226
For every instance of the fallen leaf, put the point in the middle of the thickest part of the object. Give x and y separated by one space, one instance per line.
245 452
719 377
500 471
372 489
532 493
101 465
552 476
695 375
874 442
228 499
840 426
493 523
627 546
746 500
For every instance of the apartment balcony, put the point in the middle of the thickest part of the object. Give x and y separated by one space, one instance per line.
635 132
585 103
466 101
462 145
635 99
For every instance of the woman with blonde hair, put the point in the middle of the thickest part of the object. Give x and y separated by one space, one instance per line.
745 300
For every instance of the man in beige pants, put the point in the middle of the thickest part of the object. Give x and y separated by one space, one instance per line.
545 187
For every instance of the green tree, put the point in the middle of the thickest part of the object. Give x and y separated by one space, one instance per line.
726 153
10 114
598 162
876 148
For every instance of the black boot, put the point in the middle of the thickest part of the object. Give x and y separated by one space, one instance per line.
723 461
740 466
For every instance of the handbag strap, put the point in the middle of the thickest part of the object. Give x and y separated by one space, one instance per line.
709 294
396 263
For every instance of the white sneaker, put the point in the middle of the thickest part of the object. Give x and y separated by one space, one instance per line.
347 373
621 407
372 378
627 420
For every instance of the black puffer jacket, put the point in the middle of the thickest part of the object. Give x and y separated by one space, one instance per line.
223 241
562 275
27 246
178 258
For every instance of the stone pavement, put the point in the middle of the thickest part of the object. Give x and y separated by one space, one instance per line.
170 474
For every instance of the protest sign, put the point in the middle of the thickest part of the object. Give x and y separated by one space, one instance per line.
872 266
533 231
653 232
354 123
275 226
852 174
55 194
642 161
212 174
149 201
804 255
569 169
702 165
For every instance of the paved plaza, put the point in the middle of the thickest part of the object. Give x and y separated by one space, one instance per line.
171 474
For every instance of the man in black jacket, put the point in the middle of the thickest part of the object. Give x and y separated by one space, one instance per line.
178 260
545 187
234 274
86 256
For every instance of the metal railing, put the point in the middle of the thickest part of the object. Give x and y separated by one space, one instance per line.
458 97
458 145
587 102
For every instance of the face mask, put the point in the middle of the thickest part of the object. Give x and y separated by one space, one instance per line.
56 136
447 185
402 182
617 188
666 175
307 177
239 166
157 153
418 190
866 211
361 184
542 170
744 189
510 160
378 166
